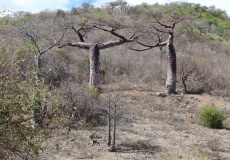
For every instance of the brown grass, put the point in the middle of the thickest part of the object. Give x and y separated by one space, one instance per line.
153 127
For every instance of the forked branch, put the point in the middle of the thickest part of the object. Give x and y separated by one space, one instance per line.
160 43
148 47
81 31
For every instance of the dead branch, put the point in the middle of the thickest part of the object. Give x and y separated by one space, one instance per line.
81 31
56 42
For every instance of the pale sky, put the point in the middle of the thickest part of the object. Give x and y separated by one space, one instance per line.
39 5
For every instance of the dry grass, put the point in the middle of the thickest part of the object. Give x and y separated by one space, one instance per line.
153 127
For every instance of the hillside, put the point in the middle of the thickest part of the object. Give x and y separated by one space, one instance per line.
152 127
60 70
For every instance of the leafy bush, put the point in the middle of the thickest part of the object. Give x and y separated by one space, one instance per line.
18 97
210 116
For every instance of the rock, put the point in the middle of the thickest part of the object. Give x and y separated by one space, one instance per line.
161 94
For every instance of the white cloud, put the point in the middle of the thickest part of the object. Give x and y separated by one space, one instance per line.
33 5
39 5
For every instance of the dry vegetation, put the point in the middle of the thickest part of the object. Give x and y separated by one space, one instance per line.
153 125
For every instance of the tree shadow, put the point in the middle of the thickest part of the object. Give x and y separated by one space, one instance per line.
139 146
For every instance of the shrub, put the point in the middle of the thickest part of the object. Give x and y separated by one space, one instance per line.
210 116
18 97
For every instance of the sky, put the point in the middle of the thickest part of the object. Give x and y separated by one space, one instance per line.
35 6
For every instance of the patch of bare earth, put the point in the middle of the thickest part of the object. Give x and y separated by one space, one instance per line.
154 127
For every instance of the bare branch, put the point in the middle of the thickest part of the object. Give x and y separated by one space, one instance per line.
81 36
159 30
54 44
121 40
167 26
148 47
159 38
164 25
178 21
33 40
113 43
112 31
118 42
82 45
139 50
136 37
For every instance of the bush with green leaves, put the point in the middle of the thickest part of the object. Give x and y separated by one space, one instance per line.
210 116
18 98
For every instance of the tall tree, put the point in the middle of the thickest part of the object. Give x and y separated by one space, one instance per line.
95 47
171 53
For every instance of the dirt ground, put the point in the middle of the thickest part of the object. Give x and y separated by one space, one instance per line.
154 127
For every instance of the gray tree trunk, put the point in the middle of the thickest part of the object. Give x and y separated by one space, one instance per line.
113 146
94 79
183 80
109 124
171 67
38 63
37 110
109 133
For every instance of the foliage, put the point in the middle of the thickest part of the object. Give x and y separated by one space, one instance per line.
216 17
210 116
146 5
18 97
100 16
94 92
2 49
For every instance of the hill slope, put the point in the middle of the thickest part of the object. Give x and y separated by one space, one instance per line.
154 127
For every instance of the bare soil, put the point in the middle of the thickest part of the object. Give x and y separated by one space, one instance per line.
154 127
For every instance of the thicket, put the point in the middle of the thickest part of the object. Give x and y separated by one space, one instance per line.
203 51
18 98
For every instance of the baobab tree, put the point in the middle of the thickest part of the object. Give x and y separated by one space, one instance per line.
95 47
170 51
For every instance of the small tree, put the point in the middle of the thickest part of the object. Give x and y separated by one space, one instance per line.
18 139
28 29
188 70
114 114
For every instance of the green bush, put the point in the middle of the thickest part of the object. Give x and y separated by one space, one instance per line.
18 97
210 116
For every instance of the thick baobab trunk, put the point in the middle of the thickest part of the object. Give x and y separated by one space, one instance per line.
94 79
171 68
